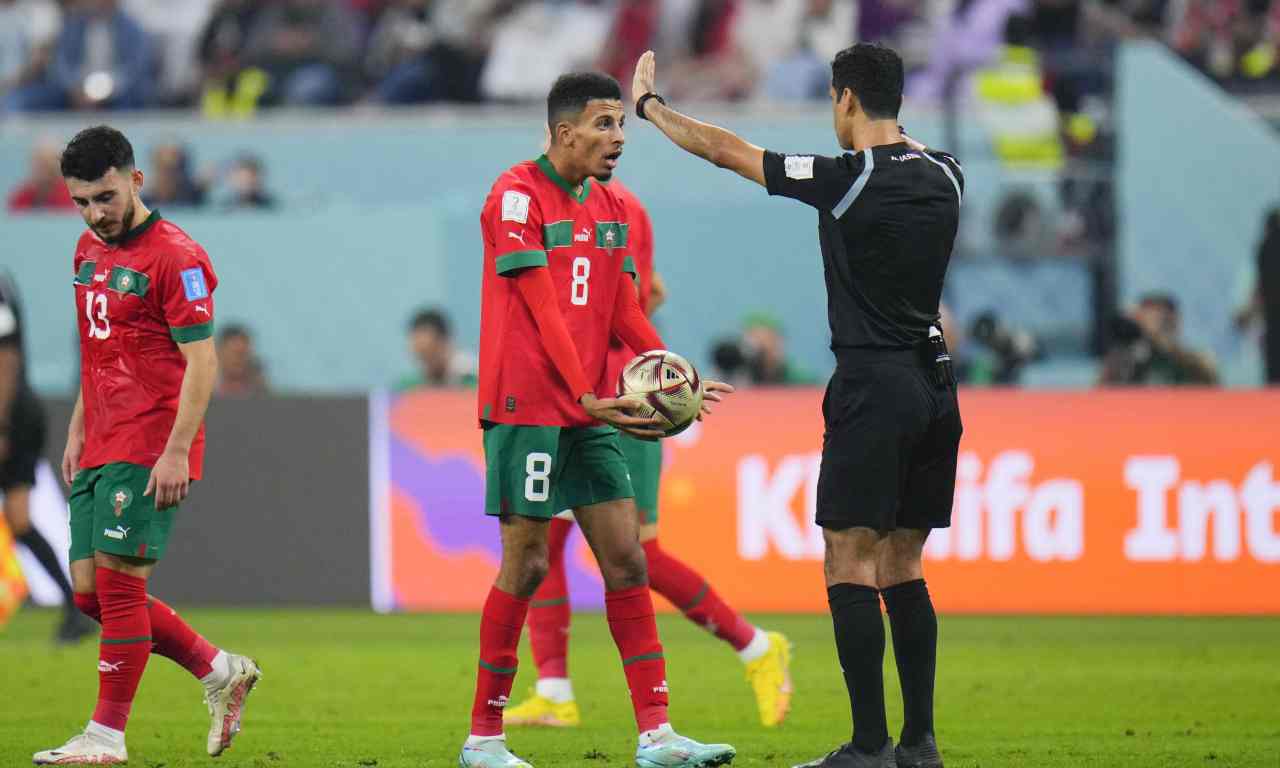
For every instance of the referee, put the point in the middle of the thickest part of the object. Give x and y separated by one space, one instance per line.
887 215
22 433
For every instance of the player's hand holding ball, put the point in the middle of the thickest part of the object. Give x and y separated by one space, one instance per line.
623 414
666 387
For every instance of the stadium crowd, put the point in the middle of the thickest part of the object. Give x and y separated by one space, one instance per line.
172 180
230 57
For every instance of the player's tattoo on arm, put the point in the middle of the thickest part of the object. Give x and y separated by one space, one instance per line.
719 146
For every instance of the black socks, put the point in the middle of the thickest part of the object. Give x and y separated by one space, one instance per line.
855 612
915 648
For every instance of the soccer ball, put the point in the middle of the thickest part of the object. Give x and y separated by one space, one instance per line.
667 384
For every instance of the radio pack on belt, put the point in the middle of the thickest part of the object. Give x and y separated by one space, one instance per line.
935 357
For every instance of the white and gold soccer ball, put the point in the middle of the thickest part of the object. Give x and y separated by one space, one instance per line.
668 386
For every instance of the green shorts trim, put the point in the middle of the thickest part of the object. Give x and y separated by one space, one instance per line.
644 459
110 514
536 471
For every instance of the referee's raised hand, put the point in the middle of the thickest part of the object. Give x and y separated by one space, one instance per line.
642 82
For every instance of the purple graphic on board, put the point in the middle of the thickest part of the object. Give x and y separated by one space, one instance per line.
448 491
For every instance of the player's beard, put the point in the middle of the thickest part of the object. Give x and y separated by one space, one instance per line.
125 223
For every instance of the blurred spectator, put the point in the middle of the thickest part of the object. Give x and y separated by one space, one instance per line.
308 48
1147 348
428 50
239 370
103 60
1229 39
972 36
633 31
759 356
28 29
438 362
1011 102
175 26
801 69
537 42
1264 303
228 88
44 189
170 180
247 186
696 36
714 66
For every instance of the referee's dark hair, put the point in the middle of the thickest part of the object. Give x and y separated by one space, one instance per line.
874 74
571 92
94 151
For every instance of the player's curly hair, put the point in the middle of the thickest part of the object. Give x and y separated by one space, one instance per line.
571 92
94 151
874 74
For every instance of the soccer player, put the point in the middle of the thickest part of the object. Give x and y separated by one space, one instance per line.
557 285
767 655
22 433
887 220
144 307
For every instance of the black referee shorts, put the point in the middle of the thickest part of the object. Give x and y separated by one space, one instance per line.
890 446
27 430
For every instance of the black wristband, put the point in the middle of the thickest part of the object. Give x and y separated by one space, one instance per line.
643 99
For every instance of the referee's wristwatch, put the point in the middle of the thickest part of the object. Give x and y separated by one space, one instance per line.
644 99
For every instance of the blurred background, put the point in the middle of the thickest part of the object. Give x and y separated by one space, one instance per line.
1121 228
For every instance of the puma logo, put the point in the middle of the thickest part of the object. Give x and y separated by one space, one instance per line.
516 236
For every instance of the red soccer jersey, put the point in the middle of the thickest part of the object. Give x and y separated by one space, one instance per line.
640 248
532 218
135 301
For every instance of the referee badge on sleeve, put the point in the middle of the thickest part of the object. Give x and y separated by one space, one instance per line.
798 167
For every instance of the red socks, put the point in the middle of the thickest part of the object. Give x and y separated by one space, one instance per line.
631 623
500 626
175 639
171 637
695 598
549 609
88 605
124 647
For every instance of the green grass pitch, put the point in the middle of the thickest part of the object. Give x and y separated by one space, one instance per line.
352 689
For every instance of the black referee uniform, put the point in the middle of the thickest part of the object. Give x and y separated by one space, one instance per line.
887 219
24 427
24 423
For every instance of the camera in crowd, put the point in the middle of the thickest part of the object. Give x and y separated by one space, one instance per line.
1010 349
735 360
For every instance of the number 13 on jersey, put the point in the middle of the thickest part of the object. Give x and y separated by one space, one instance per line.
95 310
